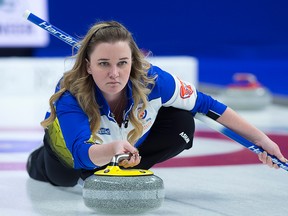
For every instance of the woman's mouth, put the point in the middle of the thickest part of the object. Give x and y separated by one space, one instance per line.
113 83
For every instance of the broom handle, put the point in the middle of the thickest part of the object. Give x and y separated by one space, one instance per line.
237 138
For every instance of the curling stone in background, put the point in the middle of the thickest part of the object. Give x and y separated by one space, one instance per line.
123 191
246 93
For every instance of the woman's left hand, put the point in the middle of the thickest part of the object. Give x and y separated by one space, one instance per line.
273 149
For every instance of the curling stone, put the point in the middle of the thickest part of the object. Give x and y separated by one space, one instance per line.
123 191
246 93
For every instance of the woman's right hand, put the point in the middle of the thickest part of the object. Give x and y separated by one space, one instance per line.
102 154
126 147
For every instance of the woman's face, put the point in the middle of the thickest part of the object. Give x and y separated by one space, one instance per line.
110 66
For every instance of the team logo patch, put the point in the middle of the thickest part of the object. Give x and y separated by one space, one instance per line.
103 131
142 115
185 90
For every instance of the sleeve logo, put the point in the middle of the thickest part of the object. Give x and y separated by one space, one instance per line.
185 90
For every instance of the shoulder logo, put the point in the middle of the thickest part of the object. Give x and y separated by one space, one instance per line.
185 90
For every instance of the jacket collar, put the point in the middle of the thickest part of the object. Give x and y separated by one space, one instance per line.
104 107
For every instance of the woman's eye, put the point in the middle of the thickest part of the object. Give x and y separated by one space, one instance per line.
122 63
103 63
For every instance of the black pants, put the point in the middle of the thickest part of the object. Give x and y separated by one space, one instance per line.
172 132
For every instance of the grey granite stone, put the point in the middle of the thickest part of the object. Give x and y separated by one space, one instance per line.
123 195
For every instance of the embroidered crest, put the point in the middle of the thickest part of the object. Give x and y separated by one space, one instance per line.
185 90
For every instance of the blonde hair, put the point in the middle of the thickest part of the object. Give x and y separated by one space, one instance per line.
81 84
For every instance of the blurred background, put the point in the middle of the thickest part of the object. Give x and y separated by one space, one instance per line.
226 37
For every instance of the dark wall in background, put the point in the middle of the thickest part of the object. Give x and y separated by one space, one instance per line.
226 36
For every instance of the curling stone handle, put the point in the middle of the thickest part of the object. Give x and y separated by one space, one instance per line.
118 158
